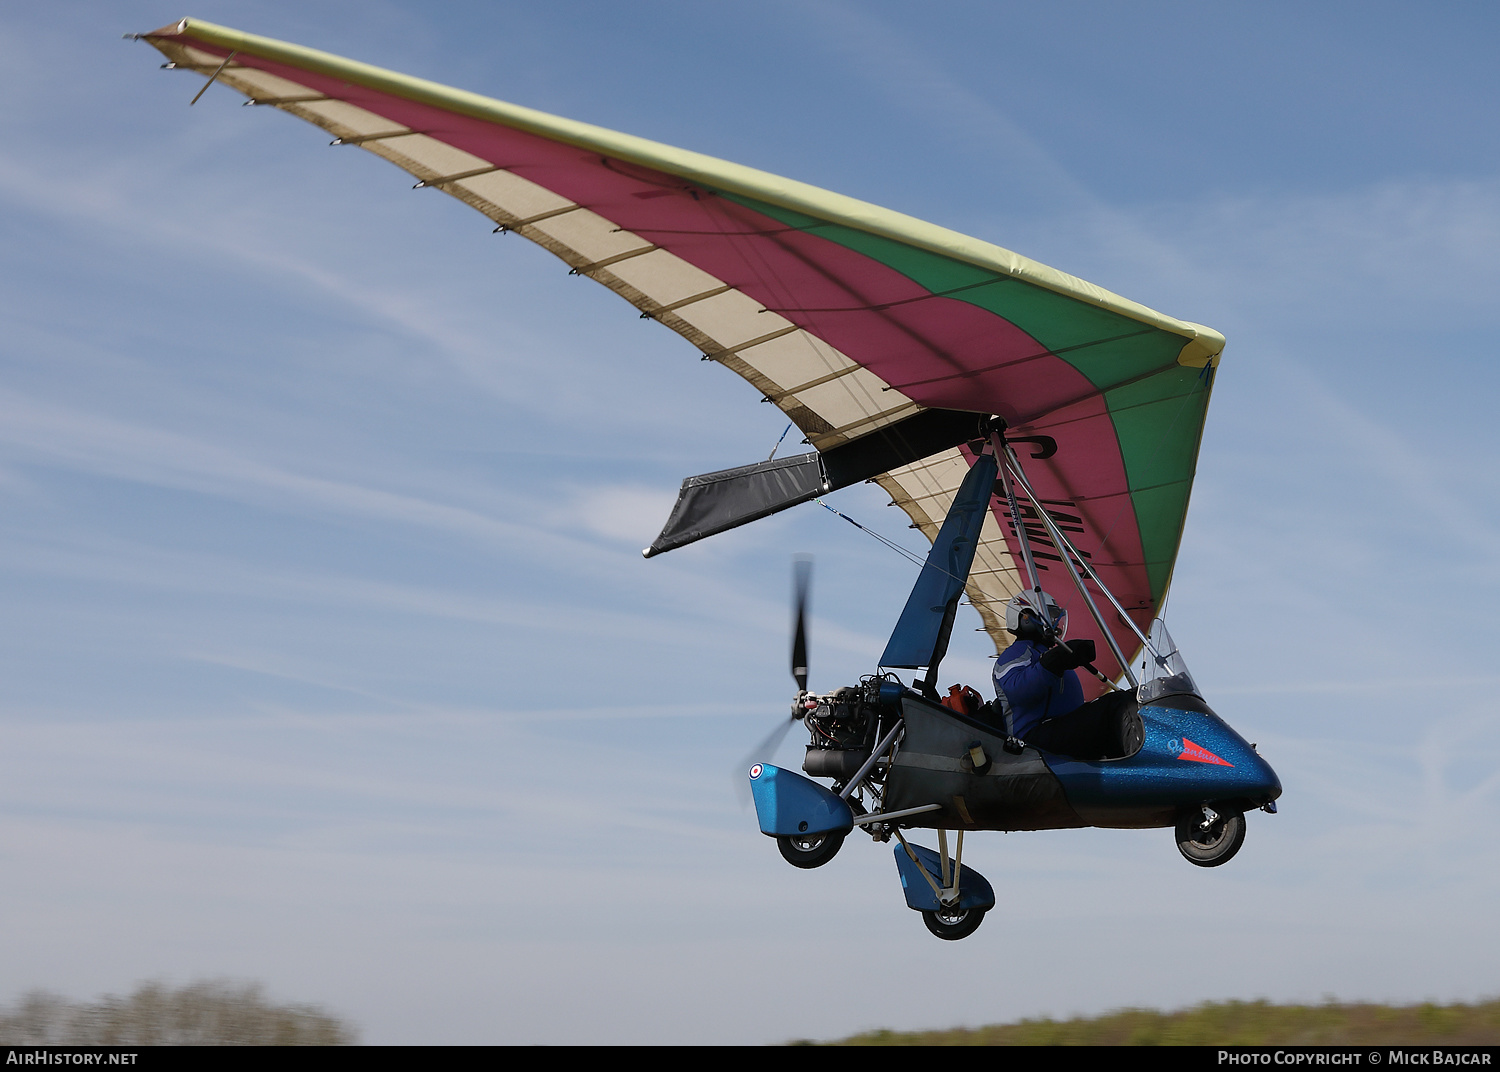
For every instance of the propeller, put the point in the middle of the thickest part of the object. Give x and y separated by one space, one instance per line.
801 589
801 584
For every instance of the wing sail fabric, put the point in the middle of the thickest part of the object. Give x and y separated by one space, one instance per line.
848 317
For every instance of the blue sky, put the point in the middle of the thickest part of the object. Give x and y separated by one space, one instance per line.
327 656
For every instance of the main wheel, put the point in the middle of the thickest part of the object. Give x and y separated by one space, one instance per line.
1212 845
810 850
951 924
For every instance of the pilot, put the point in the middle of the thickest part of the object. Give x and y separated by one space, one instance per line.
1035 679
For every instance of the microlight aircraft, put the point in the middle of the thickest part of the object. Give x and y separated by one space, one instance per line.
909 355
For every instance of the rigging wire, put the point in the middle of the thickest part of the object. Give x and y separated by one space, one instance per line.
910 556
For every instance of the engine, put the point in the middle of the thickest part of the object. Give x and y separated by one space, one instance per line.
843 727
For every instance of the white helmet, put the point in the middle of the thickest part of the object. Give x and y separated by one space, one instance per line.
1021 603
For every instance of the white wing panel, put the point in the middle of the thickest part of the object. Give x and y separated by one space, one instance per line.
347 119
856 394
665 277
427 157
733 318
592 236
512 196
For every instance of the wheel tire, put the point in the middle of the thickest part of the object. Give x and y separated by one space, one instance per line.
810 850
1214 846
952 924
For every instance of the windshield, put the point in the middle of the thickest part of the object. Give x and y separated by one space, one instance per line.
1165 673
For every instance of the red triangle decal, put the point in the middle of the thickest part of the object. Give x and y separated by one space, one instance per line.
1198 754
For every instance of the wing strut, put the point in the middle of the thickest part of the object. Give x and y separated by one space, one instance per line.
1069 555
1002 449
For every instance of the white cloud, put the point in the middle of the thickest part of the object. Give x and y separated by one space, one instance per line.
628 513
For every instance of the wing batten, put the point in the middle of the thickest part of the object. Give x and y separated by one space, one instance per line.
444 180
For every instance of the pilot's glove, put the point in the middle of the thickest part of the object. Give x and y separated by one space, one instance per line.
1056 660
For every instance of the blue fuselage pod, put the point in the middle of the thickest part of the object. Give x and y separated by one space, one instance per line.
788 804
974 890
1190 757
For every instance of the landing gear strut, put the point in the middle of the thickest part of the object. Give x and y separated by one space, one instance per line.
951 898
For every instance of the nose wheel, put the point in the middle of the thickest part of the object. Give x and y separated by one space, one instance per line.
1208 839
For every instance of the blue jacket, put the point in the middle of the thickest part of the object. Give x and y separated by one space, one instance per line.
1026 693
